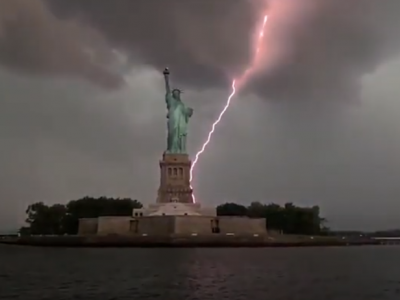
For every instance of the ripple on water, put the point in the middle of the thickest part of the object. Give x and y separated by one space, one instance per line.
342 273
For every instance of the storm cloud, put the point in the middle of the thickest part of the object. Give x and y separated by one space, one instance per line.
313 50
33 40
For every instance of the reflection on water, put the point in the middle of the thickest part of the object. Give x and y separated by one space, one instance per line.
348 273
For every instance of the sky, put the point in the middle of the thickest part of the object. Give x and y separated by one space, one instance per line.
82 107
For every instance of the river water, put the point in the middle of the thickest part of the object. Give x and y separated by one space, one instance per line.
337 273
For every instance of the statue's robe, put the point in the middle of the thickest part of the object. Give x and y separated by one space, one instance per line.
178 119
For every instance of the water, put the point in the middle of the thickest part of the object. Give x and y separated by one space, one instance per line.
342 273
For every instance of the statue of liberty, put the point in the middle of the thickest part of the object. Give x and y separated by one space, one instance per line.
178 118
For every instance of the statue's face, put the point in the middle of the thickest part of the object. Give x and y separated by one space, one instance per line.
176 94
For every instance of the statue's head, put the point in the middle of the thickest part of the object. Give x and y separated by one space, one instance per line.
176 93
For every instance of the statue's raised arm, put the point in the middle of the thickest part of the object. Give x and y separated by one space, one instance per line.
166 77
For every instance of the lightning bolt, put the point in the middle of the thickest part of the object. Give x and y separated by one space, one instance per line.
239 80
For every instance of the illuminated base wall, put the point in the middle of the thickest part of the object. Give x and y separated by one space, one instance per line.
172 225
175 209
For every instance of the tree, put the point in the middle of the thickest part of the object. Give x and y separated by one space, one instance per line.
275 215
64 219
257 210
289 218
88 207
43 219
231 209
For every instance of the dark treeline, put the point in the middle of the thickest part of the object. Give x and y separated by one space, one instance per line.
59 219
64 219
288 219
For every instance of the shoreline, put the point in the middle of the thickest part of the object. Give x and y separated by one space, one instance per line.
184 241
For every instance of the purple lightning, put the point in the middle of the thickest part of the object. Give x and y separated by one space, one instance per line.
241 79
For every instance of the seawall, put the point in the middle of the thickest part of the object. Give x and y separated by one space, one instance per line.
184 241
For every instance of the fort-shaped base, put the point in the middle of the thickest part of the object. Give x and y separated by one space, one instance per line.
175 209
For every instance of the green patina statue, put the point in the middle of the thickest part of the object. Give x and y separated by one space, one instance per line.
178 118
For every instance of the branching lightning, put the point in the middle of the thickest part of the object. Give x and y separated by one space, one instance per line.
239 80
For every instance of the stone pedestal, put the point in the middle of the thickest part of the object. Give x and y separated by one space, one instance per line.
175 179
175 196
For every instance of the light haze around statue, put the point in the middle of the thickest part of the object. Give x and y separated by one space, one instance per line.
178 119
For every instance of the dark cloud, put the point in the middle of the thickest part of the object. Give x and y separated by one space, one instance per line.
34 40
313 49
203 41
326 47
